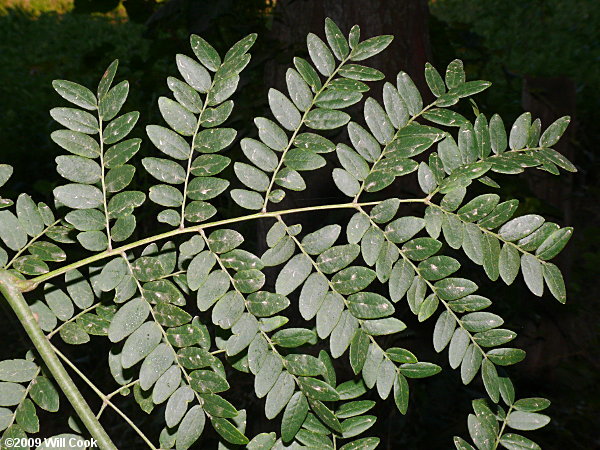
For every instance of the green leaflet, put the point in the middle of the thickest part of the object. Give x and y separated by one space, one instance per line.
247 199
419 370
329 313
379 124
532 273
481 321
191 427
157 362
79 196
320 55
12 232
367 305
454 288
298 89
17 370
213 140
120 127
293 274
128 318
511 440
312 295
527 421
76 120
352 279
86 219
520 227
426 178
168 142
555 282
455 74
316 389
370 47
409 93
76 142
284 110
140 343
293 416
403 229
509 263
177 405
554 243
553 133
111 103
29 216
75 93
44 394
443 331
293 337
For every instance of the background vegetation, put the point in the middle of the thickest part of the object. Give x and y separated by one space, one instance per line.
531 50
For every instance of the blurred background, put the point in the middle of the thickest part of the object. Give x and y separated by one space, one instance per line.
542 56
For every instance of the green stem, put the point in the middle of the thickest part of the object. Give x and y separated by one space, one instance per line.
501 432
14 297
189 162
105 398
33 282
125 386
102 178
72 319
169 275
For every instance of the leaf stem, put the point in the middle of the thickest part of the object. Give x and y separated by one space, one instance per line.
486 231
72 319
125 386
31 241
104 200
297 130
8 288
189 162
501 432
179 272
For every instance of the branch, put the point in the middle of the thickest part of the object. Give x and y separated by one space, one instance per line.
47 352
32 283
